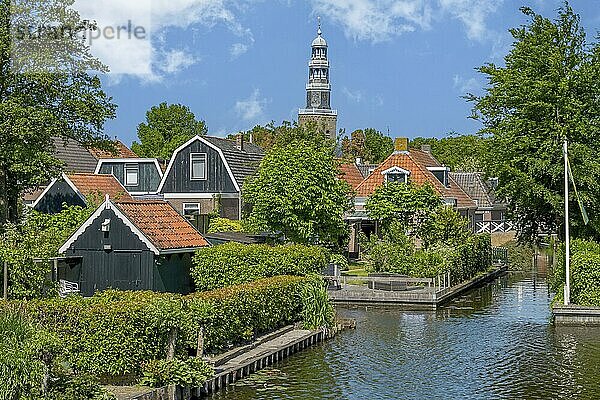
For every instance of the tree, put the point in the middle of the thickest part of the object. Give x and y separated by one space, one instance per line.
167 127
370 145
549 90
45 93
296 192
463 153
270 136
406 203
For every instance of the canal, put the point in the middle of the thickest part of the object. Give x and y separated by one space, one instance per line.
495 342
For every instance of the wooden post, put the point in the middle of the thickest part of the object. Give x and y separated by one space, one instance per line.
200 348
171 344
5 276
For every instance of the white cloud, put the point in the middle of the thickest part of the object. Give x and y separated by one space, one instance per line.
381 20
151 59
464 85
237 49
354 96
252 107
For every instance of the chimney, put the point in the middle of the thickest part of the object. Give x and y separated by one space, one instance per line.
239 141
426 148
401 145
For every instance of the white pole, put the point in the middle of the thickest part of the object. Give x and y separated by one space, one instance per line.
567 239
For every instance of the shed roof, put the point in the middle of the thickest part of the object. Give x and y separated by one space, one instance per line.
89 184
162 224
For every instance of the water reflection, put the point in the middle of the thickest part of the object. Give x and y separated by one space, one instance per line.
494 342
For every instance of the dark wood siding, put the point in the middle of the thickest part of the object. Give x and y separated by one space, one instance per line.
148 178
61 192
172 274
218 179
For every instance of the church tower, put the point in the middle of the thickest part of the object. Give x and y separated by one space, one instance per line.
318 90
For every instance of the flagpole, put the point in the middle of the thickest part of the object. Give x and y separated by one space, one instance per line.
567 294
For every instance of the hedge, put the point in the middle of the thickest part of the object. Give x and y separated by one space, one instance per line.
235 263
115 333
585 273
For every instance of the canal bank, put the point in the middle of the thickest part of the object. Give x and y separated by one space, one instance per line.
493 342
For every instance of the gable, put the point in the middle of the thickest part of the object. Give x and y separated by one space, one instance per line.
177 178
149 173
58 192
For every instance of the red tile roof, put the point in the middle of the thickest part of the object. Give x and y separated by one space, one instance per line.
122 151
162 224
415 161
350 173
90 184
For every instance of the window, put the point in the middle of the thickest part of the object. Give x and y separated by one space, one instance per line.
131 174
396 177
198 166
191 208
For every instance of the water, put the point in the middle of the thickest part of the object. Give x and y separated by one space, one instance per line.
496 342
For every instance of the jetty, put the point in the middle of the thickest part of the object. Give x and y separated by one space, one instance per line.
414 293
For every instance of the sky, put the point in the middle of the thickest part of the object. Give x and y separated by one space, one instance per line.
400 66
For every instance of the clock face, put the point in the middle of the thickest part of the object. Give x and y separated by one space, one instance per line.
315 99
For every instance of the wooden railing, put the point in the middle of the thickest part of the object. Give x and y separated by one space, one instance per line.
438 284
493 226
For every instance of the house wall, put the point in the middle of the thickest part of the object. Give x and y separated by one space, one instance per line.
218 179
59 193
148 178
172 274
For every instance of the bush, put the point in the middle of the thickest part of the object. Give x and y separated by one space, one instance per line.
235 263
193 371
224 225
585 273
317 311
118 333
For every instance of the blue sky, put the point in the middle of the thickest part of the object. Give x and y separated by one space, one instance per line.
397 65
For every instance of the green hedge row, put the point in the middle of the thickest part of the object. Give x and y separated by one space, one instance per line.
234 263
464 260
585 273
115 333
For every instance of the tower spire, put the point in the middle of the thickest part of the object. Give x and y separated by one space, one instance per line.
319 31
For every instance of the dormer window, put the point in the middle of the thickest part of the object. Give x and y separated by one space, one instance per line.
396 174
198 166
132 172
441 173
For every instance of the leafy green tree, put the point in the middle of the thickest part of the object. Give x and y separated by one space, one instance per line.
37 236
50 94
167 127
463 153
548 90
296 192
445 225
271 136
369 144
407 203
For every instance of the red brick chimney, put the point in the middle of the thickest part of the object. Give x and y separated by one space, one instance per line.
239 141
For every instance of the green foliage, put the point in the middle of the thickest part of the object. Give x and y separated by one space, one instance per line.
118 333
444 225
340 260
462 153
520 256
585 273
404 202
167 127
224 225
296 192
37 236
235 263
317 310
547 90
370 145
191 372
54 95
32 364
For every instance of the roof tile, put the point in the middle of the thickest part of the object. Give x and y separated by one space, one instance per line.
350 173
89 184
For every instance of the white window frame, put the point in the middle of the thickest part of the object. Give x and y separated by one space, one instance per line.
192 166
187 206
387 177
135 167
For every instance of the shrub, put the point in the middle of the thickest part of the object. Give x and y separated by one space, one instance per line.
224 225
235 263
118 333
192 371
585 273
317 311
